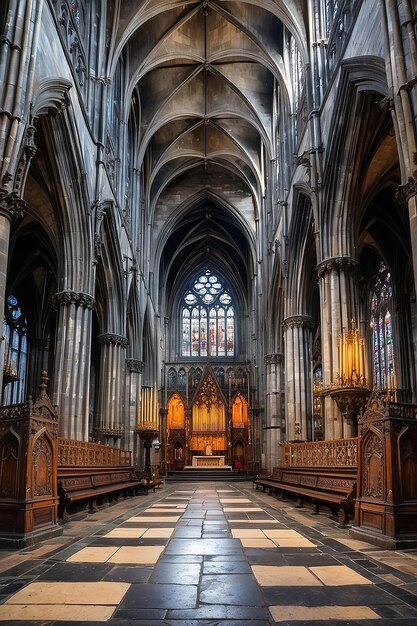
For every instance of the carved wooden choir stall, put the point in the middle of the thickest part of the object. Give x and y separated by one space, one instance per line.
44 478
28 468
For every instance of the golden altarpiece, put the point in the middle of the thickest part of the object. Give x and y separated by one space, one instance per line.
208 415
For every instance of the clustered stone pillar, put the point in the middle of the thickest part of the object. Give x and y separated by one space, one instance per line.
134 369
275 414
112 361
338 307
72 363
298 341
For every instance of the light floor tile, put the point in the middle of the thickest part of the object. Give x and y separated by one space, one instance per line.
335 575
311 613
142 555
125 533
280 533
254 521
251 533
284 576
93 554
257 543
234 500
162 510
55 612
157 518
158 533
293 542
242 509
101 593
169 506
178 498
226 490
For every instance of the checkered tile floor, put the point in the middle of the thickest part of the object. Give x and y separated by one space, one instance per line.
207 555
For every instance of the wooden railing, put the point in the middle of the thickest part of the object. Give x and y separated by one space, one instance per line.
335 453
85 453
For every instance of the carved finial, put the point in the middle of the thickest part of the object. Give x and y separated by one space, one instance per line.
44 382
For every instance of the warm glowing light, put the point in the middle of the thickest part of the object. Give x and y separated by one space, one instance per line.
352 358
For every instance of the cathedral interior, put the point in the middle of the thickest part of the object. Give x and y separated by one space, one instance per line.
208 263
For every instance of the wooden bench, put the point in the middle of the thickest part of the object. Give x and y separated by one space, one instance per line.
334 487
89 487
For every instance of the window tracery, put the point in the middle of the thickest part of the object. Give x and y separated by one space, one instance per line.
208 318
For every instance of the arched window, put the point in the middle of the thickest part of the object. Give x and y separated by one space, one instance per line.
382 336
15 352
207 319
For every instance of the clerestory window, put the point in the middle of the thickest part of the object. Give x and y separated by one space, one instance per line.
208 318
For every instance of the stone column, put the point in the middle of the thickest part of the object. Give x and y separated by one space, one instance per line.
109 410
275 413
134 369
298 377
72 363
338 307
11 208
38 361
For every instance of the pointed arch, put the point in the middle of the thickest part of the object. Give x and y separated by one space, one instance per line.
176 413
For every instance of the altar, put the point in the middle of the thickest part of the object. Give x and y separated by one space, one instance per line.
214 460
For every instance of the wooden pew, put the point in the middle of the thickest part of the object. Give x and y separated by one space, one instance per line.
87 488
333 487
90 474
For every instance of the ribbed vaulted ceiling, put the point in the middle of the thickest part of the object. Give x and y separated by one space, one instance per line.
204 75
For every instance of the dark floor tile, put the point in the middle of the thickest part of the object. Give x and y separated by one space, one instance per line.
256 556
350 595
13 587
129 574
170 573
399 593
76 572
229 558
396 611
153 596
226 567
338 622
310 560
221 612
187 532
145 615
224 546
180 559
239 589
21 569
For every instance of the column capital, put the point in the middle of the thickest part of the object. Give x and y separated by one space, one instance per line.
113 340
298 321
65 298
135 365
406 191
274 358
337 264
12 206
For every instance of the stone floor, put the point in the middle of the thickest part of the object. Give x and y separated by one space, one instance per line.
210 554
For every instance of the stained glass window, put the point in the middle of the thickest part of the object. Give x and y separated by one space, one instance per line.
15 345
208 318
382 334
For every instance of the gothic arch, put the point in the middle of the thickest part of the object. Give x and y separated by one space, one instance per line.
362 83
